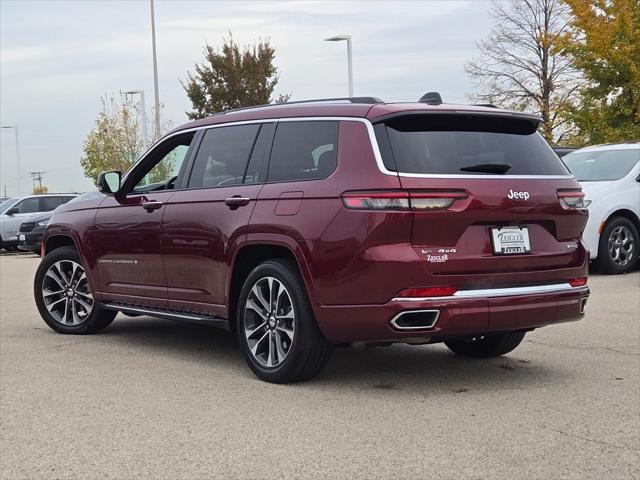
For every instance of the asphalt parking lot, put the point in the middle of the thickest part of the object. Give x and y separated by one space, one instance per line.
150 398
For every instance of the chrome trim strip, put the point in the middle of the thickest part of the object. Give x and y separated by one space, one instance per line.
426 327
497 292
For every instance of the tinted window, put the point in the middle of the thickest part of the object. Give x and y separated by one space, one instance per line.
446 144
50 203
602 165
303 151
223 155
29 205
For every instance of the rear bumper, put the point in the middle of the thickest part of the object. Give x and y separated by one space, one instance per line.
466 313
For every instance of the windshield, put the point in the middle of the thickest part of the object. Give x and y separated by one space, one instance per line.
602 165
466 145
4 206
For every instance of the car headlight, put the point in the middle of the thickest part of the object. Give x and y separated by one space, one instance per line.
43 223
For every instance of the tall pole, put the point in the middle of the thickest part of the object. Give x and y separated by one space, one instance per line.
15 129
350 66
155 71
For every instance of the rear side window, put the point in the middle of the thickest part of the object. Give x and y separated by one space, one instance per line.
305 150
466 145
222 157
50 203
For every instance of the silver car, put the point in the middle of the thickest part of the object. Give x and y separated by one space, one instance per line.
16 210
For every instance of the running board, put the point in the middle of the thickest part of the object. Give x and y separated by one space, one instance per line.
169 315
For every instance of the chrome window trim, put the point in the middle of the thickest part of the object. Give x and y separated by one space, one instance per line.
497 292
372 138
404 312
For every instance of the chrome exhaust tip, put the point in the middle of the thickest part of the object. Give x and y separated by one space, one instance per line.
415 319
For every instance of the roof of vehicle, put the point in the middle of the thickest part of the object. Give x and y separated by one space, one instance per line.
373 110
611 146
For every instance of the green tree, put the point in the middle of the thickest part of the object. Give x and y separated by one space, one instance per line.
232 77
519 65
116 142
604 43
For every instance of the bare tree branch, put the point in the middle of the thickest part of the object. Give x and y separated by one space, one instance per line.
520 64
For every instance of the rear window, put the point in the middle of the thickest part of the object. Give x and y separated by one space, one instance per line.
602 165
466 145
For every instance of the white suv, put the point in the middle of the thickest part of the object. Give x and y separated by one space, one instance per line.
16 210
610 176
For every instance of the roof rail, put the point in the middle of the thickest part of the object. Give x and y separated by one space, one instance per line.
365 100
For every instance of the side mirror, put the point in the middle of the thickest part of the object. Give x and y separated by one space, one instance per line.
12 211
109 182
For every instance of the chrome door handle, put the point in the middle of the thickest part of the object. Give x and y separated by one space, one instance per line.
236 201
151 205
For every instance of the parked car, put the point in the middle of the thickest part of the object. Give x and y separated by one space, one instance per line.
302 226
31 232
610 176
16 210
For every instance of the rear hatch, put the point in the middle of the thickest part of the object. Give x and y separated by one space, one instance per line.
488 193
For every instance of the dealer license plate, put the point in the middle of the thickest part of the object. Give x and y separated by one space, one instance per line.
510 240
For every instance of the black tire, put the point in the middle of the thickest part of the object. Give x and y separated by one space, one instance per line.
605 261
486 346
309 351
96 320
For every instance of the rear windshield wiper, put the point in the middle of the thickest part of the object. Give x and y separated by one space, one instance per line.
487 168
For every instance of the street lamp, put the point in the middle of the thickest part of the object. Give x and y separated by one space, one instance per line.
15 129
144 113
347 38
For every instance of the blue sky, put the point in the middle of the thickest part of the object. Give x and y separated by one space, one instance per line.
58 57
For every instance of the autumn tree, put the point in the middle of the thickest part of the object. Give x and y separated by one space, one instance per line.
521 67
116 142
604 43
232 77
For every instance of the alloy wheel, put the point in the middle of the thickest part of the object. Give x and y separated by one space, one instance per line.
66 294
621 245
269 322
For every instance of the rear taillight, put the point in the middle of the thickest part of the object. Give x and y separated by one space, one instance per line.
401 200
578 282
422 292
376 200
572 199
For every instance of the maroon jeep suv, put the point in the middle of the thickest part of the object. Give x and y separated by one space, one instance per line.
347 221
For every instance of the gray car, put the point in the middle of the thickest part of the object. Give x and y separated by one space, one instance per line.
16 210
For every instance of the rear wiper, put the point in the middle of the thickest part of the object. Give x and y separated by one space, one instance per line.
487 168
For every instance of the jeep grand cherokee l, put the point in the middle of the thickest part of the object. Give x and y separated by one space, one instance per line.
302 226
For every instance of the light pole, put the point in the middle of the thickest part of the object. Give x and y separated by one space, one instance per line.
144 114
15 129
347 38
155 71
